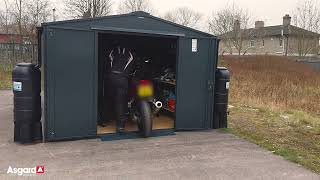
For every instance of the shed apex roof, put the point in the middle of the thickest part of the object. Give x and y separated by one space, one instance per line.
136 13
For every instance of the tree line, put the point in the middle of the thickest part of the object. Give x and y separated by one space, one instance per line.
23 16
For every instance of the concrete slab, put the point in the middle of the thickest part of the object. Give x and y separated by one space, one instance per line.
188 155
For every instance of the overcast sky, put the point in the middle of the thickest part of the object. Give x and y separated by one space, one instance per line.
270 11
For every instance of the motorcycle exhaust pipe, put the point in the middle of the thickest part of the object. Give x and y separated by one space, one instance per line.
158 106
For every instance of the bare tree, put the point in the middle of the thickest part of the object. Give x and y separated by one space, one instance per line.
5 17
18 15
38 12
127 6
307 17
231 24
28 15
20 18
184 16
88 8
3 22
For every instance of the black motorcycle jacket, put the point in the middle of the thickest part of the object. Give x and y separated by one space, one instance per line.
121 61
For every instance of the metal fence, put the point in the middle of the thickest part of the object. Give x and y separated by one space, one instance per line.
13 53
313 61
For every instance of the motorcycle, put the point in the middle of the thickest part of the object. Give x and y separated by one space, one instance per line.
142 105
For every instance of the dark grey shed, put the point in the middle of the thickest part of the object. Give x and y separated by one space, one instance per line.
70 59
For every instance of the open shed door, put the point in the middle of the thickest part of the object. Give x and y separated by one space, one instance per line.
71 96
194 83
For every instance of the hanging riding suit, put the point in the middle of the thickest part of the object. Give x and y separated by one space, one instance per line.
119 67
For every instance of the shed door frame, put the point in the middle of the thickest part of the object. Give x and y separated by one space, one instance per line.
209 72
146 34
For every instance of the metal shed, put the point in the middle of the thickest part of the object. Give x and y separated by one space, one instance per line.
70 58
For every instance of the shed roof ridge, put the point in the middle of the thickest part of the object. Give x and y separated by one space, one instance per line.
146 15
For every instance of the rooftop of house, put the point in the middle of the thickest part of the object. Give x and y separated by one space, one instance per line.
10 34
8 38
264 31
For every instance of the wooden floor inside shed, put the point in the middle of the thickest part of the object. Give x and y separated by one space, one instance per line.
161 122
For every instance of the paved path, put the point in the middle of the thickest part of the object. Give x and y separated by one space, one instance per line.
188 155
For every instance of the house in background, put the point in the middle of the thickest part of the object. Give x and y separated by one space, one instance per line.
9 38
10 41
284 39
15 48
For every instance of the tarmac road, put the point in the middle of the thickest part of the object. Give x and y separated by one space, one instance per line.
187 155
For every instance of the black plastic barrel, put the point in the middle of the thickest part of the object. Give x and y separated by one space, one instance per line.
26 79
221 98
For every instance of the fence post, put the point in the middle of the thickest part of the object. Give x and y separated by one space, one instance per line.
13 54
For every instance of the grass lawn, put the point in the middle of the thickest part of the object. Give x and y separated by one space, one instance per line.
294 135
275 103
5 76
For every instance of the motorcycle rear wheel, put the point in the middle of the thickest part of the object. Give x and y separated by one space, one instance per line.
145 118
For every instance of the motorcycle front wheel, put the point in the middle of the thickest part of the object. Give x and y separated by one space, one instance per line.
145 118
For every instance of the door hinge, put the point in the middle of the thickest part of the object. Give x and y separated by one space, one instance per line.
51 133
210 85
51 32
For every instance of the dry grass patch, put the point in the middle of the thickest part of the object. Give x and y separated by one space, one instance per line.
277 105
274 81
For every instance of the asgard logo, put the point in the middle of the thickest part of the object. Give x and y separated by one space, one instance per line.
26 171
